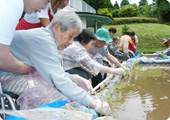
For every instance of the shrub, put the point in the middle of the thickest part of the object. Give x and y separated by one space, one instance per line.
127 20
104 11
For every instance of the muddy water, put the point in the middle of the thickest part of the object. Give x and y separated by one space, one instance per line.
146 96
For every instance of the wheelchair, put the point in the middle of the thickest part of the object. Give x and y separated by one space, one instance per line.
8 101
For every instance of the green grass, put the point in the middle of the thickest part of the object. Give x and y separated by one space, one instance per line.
150 35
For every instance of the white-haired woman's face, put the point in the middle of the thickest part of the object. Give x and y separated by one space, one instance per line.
64 38
34 5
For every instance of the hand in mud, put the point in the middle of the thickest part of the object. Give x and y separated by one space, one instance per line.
102 108
125 68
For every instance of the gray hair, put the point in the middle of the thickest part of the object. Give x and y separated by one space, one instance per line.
68 19
116 38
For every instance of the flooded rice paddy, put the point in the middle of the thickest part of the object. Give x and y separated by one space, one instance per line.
146 96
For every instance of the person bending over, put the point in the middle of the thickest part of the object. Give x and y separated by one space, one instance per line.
77 60
100 51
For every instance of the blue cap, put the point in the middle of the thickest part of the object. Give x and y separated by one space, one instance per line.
103 35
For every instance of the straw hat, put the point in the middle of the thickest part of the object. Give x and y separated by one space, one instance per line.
164 41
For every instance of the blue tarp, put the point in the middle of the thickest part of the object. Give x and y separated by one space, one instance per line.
57 104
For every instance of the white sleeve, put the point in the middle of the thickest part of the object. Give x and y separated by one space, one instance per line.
10 14
136 39
43 13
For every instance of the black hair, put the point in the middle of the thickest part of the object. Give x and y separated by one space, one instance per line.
86 36
128 33
112 29
132 33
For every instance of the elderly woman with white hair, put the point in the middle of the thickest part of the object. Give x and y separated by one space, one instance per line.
39 48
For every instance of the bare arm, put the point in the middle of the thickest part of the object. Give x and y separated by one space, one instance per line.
105 69
45 22
9 63
114 60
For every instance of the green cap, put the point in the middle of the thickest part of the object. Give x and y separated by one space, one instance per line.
103 35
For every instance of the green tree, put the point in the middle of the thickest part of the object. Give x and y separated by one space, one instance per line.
143 2
124 2
141 11
127 11
97 4
149 11
134 4
162 9
146 11
108 4
116 5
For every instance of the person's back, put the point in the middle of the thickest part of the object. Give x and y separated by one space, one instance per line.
124 43
135 41
28 45
114 49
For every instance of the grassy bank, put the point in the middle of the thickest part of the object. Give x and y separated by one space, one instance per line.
150 35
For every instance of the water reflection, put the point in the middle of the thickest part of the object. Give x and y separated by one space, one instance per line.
147 97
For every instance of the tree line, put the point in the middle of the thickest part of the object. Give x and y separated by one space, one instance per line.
158 9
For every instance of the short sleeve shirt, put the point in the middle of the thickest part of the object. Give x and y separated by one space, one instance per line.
103 51
34 17
136 39
10 13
